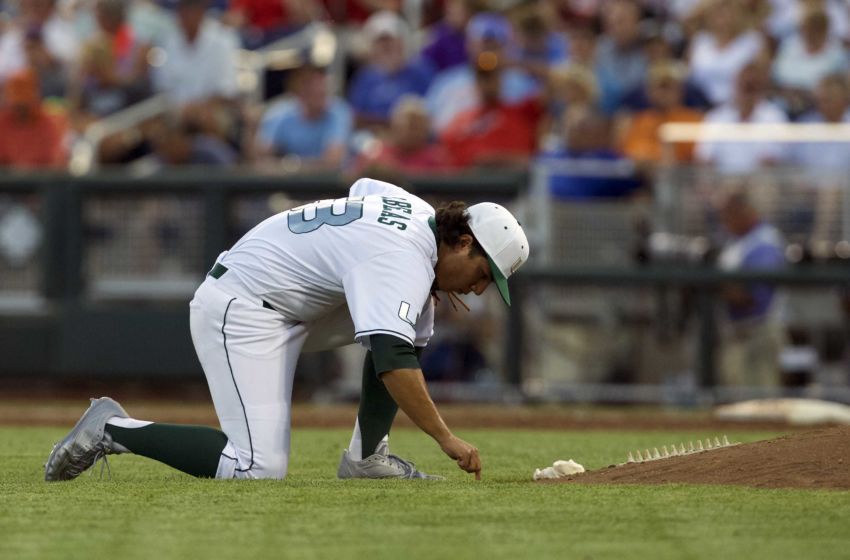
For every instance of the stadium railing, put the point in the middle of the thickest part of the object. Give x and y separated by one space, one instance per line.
608 272
96 271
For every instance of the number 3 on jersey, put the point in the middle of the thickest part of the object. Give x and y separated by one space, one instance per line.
311 217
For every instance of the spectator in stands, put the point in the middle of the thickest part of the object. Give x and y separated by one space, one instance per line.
753 15
31 137
659 51
258 21
581 47
656 46
620 58
151 22
175 144
309 125
719 52
495 133
825 163
832 105
488 36
42 40
749 105
261 22
355 12
787 15
665 91
540 48
572 90
113 71
388 74
806 57
752 332
198 72
570 14
446 43
588 166
408 149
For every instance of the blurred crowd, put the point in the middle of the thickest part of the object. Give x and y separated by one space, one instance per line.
469 83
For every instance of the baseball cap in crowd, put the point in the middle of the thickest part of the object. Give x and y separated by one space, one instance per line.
385 23
489 26
503 240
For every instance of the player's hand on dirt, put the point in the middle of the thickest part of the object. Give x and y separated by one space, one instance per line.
465 454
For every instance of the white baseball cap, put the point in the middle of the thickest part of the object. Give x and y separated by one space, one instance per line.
385 23
503 240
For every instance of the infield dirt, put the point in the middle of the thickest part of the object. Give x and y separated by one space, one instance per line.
32 411
818 459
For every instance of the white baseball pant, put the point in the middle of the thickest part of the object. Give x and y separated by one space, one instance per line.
248 354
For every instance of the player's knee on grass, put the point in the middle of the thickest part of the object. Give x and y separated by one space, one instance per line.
261 466
271 465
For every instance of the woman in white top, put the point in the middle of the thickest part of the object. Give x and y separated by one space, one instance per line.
748 105
806 57
721 50
786 16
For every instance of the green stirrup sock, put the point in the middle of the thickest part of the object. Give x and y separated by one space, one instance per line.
377 409
195 450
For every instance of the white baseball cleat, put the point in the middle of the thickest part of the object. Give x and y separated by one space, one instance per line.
85 443
381 465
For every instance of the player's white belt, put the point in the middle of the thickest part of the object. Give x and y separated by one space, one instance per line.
218 270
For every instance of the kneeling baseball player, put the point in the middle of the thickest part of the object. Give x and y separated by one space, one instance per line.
323 275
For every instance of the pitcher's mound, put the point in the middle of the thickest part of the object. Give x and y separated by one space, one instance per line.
816 459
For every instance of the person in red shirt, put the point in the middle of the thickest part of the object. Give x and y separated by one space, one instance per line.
408 148
353 12
494 133
30 136
263 21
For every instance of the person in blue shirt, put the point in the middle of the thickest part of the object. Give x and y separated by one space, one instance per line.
388 74
588 167
539 48
752 325
310 126
621 62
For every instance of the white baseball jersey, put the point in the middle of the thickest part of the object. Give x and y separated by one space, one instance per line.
373 251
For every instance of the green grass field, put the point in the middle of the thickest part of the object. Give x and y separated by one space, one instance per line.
150 511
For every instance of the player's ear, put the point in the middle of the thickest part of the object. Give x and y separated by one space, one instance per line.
464 241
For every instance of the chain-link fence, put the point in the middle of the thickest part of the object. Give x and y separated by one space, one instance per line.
594 340
142 245
110 247
21 245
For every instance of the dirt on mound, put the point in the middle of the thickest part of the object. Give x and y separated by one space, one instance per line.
816 459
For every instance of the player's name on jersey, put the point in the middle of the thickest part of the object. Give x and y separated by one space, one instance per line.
393 211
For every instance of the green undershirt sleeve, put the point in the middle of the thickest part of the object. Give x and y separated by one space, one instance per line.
390 352
377 408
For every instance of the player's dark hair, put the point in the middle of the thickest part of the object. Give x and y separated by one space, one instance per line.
452 222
